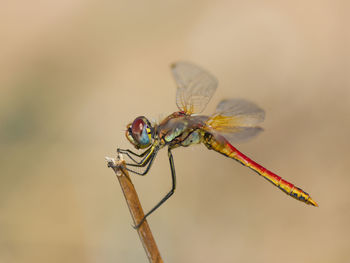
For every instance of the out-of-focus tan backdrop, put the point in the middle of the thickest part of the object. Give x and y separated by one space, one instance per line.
74 73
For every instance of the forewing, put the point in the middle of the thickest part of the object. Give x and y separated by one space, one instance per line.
236 120
195 87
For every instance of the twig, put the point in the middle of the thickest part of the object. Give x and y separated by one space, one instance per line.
135 208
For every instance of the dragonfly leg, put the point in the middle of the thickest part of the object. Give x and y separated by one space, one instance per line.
167 196
128 153
145 159
148 161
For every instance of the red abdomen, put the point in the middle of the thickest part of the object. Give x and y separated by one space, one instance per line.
222 146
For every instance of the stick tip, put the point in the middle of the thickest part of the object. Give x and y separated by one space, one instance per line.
111 162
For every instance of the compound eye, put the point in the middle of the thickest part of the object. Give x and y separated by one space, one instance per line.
139 129
137 126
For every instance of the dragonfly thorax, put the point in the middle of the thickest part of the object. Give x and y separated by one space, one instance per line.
179 129
140 133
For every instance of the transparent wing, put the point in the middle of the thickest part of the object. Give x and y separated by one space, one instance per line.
236 120
241 112
195 87
240 134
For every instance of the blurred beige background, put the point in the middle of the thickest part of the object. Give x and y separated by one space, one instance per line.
74 73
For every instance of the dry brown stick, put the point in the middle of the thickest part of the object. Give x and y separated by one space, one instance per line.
135 208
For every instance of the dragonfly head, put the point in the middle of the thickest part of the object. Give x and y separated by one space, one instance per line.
140 133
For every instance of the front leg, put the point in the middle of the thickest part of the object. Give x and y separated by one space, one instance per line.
147 160
149 152
128 153
150 162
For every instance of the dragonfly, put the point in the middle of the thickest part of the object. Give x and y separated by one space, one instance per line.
234 120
